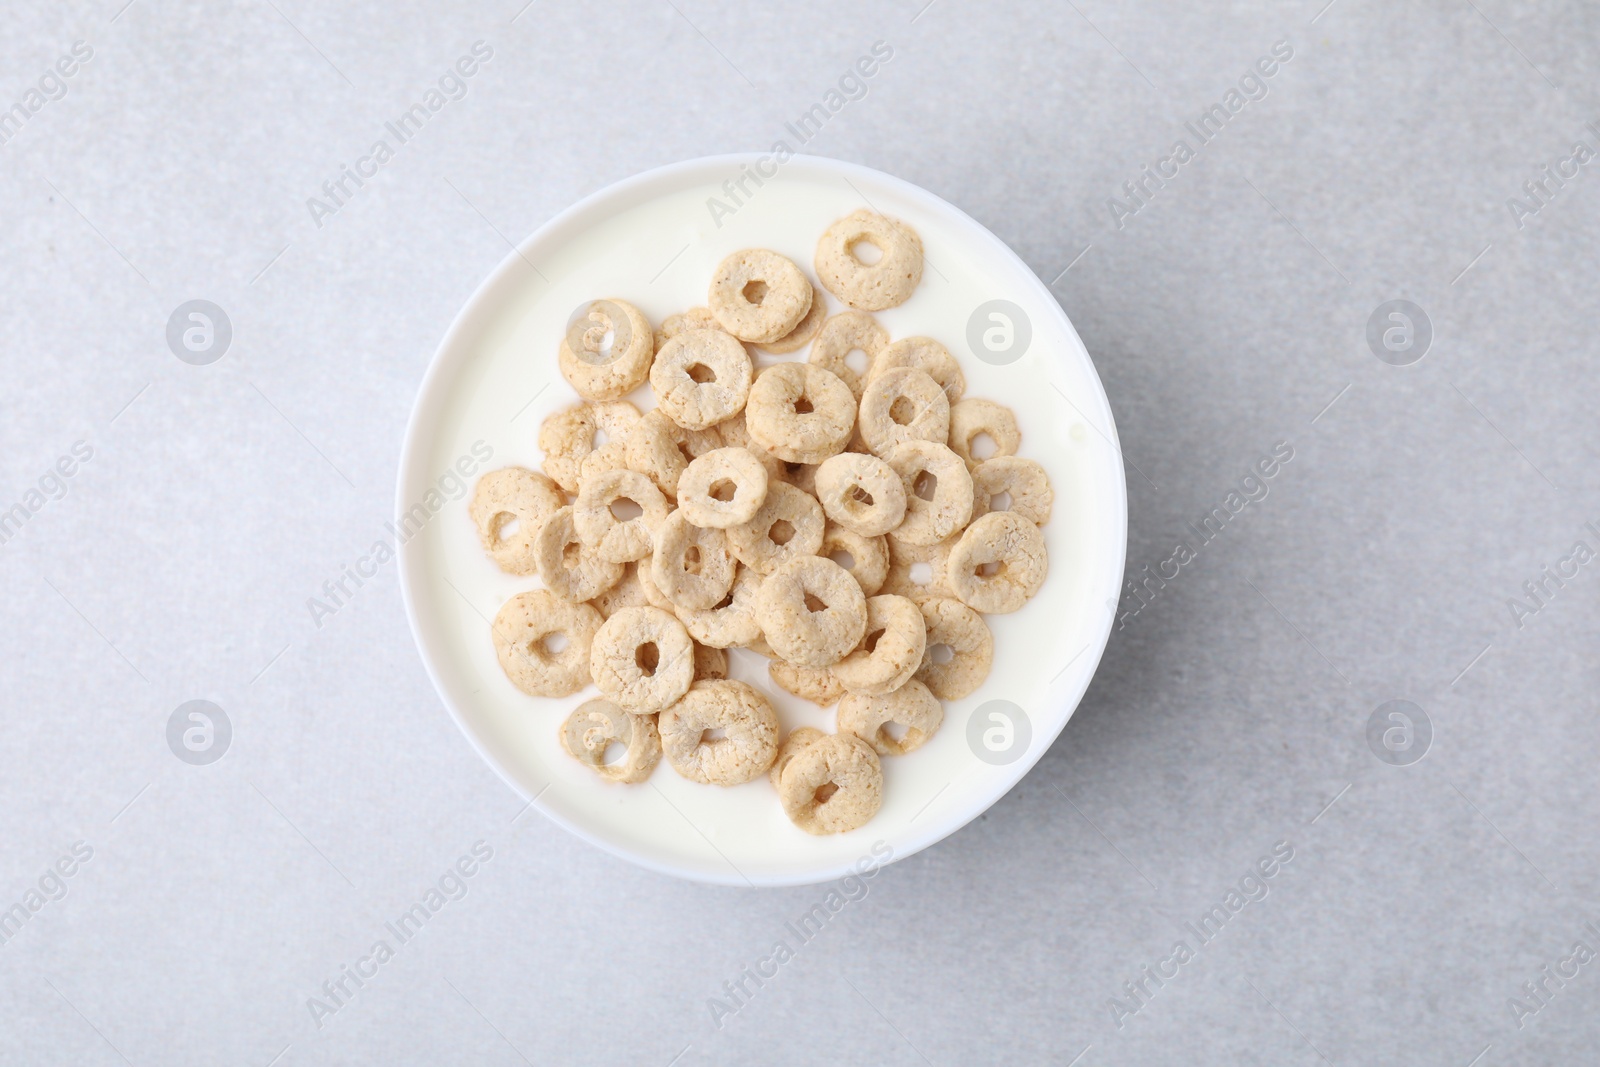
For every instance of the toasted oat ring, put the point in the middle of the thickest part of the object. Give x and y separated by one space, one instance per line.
998 564
928 356
700 378
660 448
876 286
569 567
627 593
722 488
866 558
811 611
816 684
520 630
595 518
917 572
910 706
709 663
800 413
643 659
788 524
652 595
972 418
599 374
925 467
758 295
903 405
568 436
793 745
732 620
805 329
1023 480
691 565
861 493
843 334
745 716
831 785
592 728
890 651
507 495
960 649
696 318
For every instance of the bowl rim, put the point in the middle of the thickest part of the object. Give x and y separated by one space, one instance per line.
449 355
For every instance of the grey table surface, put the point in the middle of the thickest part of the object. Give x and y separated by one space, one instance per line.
1434 910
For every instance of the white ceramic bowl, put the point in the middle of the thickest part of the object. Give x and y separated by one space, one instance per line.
653 240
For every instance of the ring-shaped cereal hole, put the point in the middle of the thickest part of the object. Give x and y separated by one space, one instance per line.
960 649
866 558
604 519
903 405
569 567
758 295
893 723
917 572
998 564
846 333
508 507
861 493
788 524
928 356
890 651
889 280
731 621
1014 484
595 726
691 565
832 784
607 349
722 488
543 643
800 413
981 430
811 611
643 659
746 721
700 378
938 492
806 329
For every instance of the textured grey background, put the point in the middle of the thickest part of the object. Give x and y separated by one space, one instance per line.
1227 316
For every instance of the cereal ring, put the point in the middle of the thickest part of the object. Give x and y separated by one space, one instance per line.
611 456
722 488
866 558
831 785
595 725
735 434
890 652
1011 483
596 518
847 332
517 498
971 419
938 492
660 448
886 283
861 493
960 649
569 568
998 564
903 405
700 378
758 295
568 436
816 684
732 621
926 355
789 524
543 643
691 565
804 330
811 611
629 592
709 663
749 725
911 706
696 318
792 745
653 596
917 572
598 372
643 659
800 413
